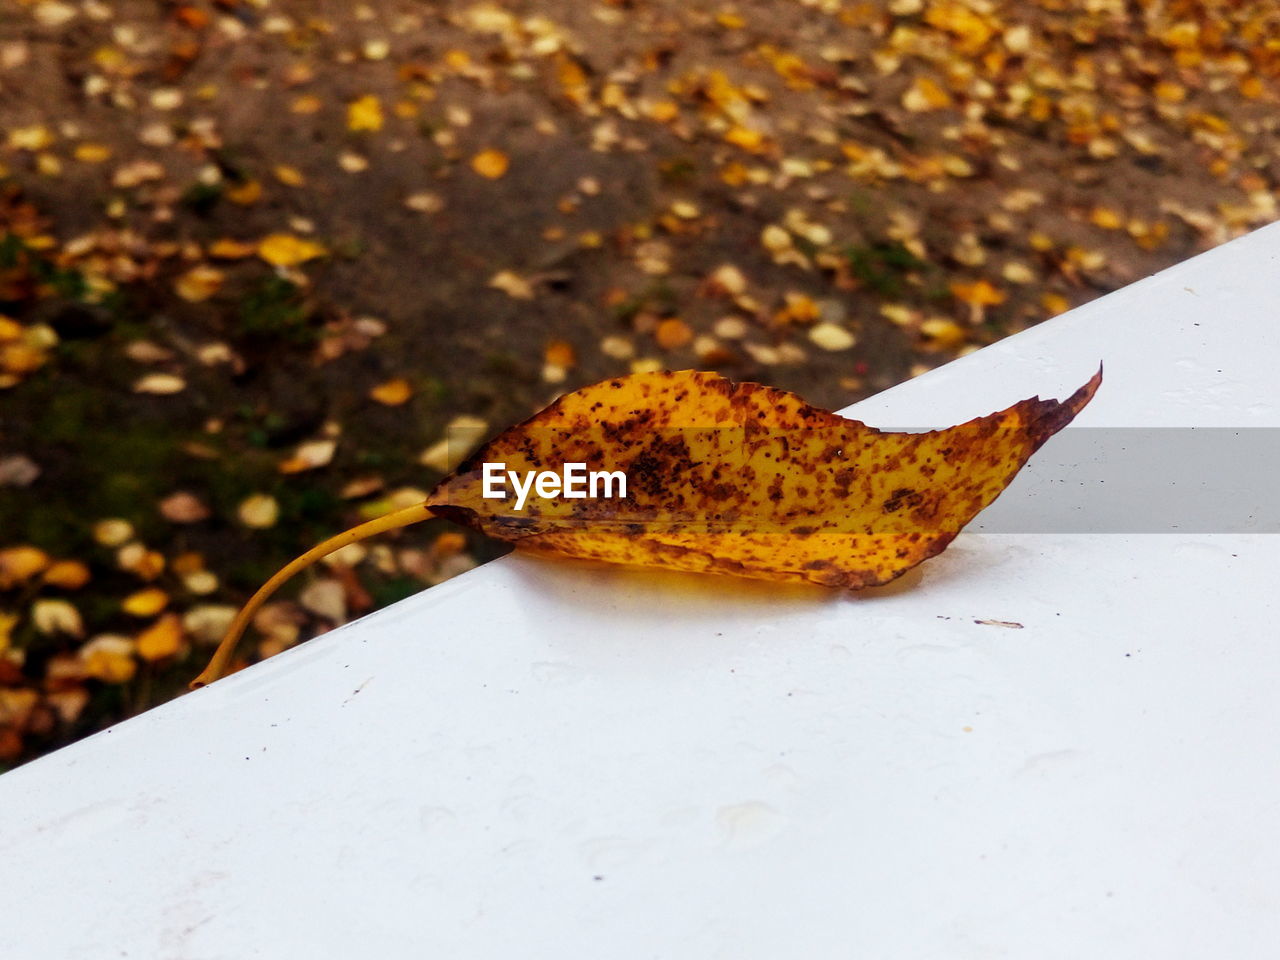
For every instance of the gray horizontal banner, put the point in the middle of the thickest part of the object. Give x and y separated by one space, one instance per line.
1145 480
1083 480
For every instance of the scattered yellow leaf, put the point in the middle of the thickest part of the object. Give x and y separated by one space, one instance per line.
289 176
109 658
970 28
199 283
246 194
146 602
32 138
392 393
673 333
1054 303
943 333
287 250
664 111
560 353
832 337
160 384
309 456
1108 218
162 639
978 293
19 564
306 103
112 532
512 284
183 507
67 574
259 511
226 249
7 622
365 114
753 141
924 94
92 153
141 562
57 616
490 163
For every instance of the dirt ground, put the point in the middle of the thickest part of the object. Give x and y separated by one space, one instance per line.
257 255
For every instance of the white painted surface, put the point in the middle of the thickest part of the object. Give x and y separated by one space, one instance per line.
559 760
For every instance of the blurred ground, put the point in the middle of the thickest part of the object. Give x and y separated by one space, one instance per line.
256 256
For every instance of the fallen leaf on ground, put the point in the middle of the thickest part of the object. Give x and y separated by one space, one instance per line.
259 511
309 456
159 384
365 114
109 658
724 477
146 602
392 393
18 470
19 564
162 639
183 507
67 574
57 616
491 164
286 250
512 284
199 283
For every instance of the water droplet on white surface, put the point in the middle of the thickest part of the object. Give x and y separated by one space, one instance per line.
750 824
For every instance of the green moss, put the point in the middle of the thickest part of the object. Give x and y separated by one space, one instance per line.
202 198
385 592
276 309
883 267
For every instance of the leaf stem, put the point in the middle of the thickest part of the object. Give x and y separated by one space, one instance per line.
226 648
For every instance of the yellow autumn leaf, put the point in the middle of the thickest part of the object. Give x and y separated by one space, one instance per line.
160 384
287 250
491 164
306 103
57 616
745 138
392 393
32 138
365 114
712 476
10 329
1054 303
109 658
1108 218
289 176
199 283
560 353
112 532
162 639
978 293
924 94
970 28
20 564
227 249
245 194
7 622
146 602
259 511
309 456
92 153
67 574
